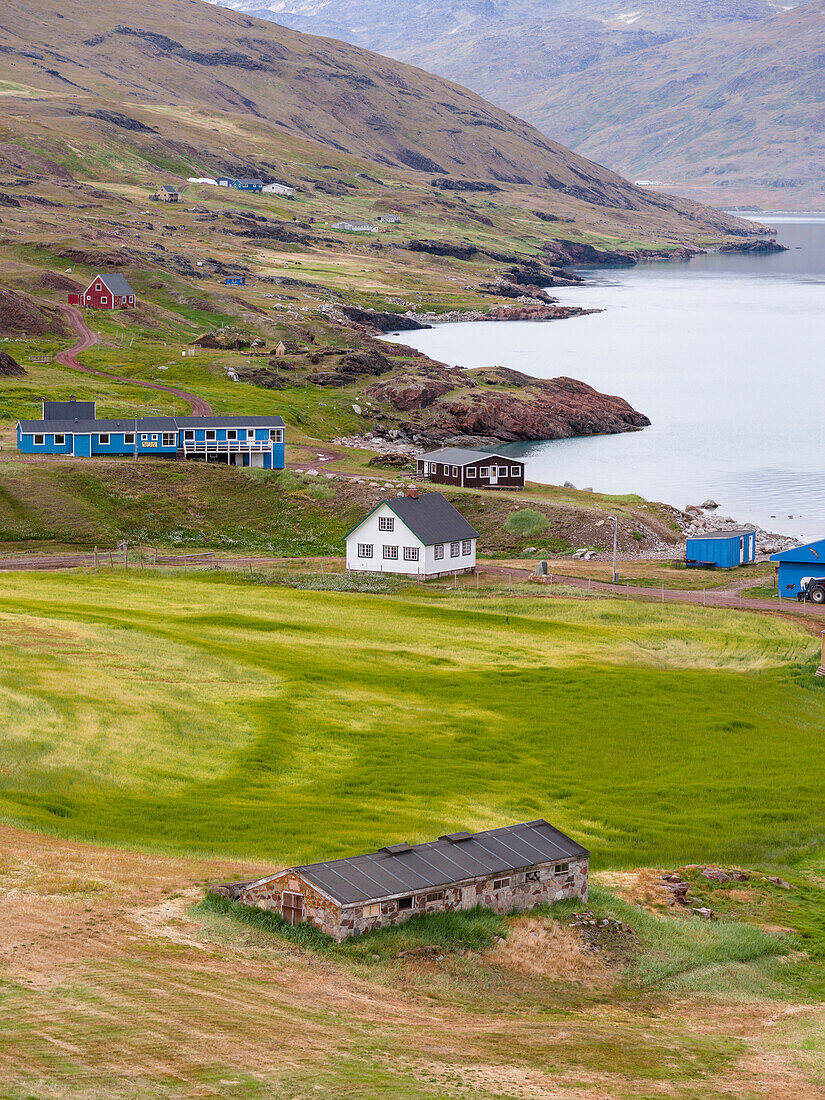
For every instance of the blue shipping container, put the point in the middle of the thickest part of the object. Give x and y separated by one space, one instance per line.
722 549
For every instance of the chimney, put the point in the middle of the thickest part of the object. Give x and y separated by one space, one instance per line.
412 493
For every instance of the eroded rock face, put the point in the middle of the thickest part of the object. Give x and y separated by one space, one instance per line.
381 322
555 409
407 392
19 314
9 367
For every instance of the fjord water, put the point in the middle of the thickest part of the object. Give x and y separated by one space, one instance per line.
724 354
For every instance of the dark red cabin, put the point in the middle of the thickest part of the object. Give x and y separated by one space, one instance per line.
105 292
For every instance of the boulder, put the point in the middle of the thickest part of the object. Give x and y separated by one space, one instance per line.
710 505
407 391
10 368
715 874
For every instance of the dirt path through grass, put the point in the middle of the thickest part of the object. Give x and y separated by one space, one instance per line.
87 339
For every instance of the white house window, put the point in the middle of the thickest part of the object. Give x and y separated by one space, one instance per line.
98 287
364 549
103 440
445 468
466 546
562 868
39 440
231 433
455 549
391 553
484 471
410 553
169 439
189 434
455 471
250 433
438 551
515 471
386 523
129 437
470 471
103 300
276 435
210 435
59 440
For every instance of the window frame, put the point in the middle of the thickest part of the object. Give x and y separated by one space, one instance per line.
371 909
484 471
128 437
466 547
455 471
515 471
39 439
365 550
501 883
471 472
104 439
210 436
438 551
411 553
104 299
231 435
386 523
405 903
168 439
390 553
455 549
432 899
189 435
562 868
60 439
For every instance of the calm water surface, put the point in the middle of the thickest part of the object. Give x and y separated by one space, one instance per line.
725 354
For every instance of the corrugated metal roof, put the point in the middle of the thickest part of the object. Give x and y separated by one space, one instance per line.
459 456
731 533
451 859
432 518
69 410
115 283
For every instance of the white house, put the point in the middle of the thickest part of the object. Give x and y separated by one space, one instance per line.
356 227
279 189
420 536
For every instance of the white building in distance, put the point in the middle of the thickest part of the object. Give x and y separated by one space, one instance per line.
420 536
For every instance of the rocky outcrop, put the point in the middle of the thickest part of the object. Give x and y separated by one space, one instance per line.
535 312
20 314
376 321
53 280
444 183
759 245
10 368
407 392
503 289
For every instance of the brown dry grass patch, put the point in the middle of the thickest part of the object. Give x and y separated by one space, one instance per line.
541 947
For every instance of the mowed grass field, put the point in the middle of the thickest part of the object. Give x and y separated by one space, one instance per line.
210 714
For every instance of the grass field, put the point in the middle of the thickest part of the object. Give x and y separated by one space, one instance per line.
210 714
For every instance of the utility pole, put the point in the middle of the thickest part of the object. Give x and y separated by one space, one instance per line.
615 539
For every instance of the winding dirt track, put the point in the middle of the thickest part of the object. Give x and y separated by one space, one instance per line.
86 339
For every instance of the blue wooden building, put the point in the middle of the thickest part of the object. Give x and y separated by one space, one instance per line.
249 185
722 549
235 280
799 565
72 428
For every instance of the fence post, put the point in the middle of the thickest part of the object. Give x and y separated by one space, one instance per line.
111 559
704 597
627 590
95 558
663 591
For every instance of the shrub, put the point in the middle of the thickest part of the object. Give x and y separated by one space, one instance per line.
526 523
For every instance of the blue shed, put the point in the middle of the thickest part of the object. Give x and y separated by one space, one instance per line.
799 564
722 549
235 280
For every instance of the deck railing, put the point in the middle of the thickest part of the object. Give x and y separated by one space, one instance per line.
227 446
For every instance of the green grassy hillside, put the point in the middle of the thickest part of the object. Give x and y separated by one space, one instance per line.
215 714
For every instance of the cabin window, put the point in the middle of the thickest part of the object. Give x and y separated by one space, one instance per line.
515 471
410 553
484 471
372 910
438 552
103 300
455 471
98 287
129 437
432 898
189 434
562 868
500 883
386 523
59 440
391 553
455 549
364 549
292 906
39 440
210 434
231 433
275 435
531 876
466 546
405 903
471 471
250 433
103 440
131 297
169 439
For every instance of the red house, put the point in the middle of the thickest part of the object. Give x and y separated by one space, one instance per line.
105 292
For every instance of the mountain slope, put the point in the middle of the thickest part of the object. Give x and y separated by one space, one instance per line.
717 94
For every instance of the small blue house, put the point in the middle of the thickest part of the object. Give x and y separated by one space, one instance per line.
798 565
235 280
72 428
722 549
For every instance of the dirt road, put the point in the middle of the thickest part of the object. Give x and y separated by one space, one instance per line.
86 339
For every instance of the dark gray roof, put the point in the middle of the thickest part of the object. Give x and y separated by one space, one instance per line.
730 533
115 282
431 518
146 423
407 869
460 456
250 181
69 410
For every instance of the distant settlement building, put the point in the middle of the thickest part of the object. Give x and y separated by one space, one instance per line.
389 219
105 292
279 189
722 549
798 567
517 867
249 185
471 468
167 193
356 227
72 428
420 536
